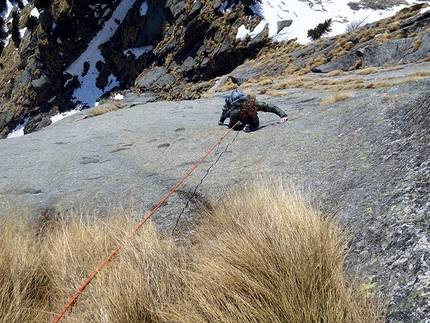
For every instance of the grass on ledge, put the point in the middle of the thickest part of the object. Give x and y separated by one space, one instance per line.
263 253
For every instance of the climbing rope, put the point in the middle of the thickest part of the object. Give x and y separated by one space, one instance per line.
113 253
201 182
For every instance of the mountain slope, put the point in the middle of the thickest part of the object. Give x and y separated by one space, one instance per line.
365 157
80 51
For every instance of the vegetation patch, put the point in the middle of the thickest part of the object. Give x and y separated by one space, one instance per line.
336 98
366 71
105 109
262 253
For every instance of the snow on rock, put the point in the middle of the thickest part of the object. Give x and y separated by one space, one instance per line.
137 52
88 93
306 16
19 130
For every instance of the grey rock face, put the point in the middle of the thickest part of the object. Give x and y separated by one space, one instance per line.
155 78
366 157
283 24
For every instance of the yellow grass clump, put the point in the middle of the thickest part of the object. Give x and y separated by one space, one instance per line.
420 73
378 84
336 98
106 109
417 44
263 253
366 71
336 73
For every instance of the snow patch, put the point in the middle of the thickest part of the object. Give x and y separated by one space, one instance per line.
137 52
19 130
62 115
118 97
34 12
306 16
144 8
88 92
242 32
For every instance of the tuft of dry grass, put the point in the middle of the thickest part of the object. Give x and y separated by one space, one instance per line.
421 73
378 84
417 44
366 71
24 279
268 255
393 68
336 98
262 253
336 73
106 109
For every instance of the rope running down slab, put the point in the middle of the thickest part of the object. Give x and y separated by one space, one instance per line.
113 253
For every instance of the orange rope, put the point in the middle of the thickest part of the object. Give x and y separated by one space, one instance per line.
108 258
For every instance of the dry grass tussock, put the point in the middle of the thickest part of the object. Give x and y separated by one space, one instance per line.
105 109
262 254
367 71
336 98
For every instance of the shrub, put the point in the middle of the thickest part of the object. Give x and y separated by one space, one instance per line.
3 33
32 23
320 30
16 35
268 255
42 4
64 22
248 3
354 25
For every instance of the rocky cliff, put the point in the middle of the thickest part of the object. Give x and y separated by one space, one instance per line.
364 154
179 49
364 157
190 41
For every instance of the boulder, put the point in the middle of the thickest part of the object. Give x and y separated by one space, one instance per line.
283 23
40 82
154 79
343 63
391 52
188 65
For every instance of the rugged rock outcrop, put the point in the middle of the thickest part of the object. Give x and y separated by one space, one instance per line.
365 157
177 49
191 41
408 41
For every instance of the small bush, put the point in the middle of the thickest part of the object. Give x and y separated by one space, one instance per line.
248 3
354 25
64 23
336 98
32 23
320 30
16 35
42 4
